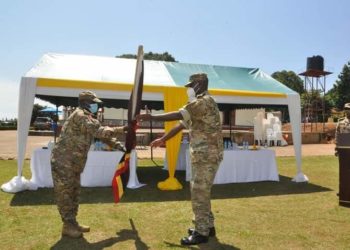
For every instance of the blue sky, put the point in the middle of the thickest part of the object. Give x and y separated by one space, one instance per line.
270 34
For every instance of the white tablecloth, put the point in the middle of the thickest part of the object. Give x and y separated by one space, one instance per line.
99 169
244 166
181 160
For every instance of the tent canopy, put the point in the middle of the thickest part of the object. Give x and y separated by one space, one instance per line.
106 71
58 78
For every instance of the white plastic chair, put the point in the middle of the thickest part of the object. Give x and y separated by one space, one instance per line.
277 134
270 136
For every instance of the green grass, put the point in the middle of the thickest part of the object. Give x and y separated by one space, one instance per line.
264 215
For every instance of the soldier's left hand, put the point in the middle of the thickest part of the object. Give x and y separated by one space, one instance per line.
157 142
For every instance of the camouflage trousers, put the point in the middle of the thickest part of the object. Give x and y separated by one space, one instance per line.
203 174
66 184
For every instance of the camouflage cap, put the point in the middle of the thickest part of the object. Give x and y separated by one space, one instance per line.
199 77
89 96
347 105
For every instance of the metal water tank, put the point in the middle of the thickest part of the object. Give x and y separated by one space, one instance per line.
315 63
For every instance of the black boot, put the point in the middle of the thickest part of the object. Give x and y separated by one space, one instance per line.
212 231
194 239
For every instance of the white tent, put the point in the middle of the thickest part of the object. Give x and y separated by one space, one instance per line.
59 78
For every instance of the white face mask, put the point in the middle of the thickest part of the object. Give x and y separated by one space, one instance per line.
93 108
191 94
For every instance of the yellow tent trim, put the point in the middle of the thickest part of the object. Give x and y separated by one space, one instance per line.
222 92
59 83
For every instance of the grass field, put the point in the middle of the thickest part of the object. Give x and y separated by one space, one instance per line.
264 215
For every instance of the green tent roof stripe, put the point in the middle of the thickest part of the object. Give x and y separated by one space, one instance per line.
228 78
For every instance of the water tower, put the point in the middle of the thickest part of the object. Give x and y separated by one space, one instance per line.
315 87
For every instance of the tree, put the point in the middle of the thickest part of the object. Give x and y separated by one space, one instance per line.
290 79
152 56
340 93
35 113
312 103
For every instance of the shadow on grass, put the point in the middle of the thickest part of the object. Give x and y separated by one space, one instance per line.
213 243
123 235
152 175
82 243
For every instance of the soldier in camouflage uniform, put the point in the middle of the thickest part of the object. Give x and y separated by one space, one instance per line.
343 125
69 156
202 118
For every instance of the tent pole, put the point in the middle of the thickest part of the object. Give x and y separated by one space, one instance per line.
55 124
151 138
151 135
229 113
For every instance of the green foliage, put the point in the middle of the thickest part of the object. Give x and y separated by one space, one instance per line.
152 56
35 113
8 127
290 79
8 124
340 93
315 100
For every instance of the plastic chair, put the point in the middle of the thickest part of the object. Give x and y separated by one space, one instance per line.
277 134
270 136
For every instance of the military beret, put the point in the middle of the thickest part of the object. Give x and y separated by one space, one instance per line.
88 96
347 105
199 77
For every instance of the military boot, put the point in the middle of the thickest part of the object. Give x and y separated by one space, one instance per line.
212 231
82 228
70 230
194 239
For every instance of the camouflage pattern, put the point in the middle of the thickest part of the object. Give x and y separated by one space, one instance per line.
343 126
199 77
89 96
206 149
69 156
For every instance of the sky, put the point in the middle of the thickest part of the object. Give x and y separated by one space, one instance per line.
273 35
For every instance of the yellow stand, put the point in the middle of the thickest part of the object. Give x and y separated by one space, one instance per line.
170 184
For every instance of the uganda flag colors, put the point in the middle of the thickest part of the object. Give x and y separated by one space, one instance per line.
121 175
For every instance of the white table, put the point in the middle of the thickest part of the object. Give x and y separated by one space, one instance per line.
99 169
244 166
181 159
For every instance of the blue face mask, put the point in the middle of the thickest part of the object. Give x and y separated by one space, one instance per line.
93 108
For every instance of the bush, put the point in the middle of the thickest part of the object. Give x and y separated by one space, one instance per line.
14 127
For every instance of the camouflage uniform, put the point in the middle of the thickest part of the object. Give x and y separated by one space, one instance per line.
343 126
69 156
206 149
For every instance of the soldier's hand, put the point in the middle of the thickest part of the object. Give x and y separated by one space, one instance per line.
120 146
125 128
133 125
157 142
143 117
336 153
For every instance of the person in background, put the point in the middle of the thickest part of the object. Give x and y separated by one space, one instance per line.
69 156
202 117
343 125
